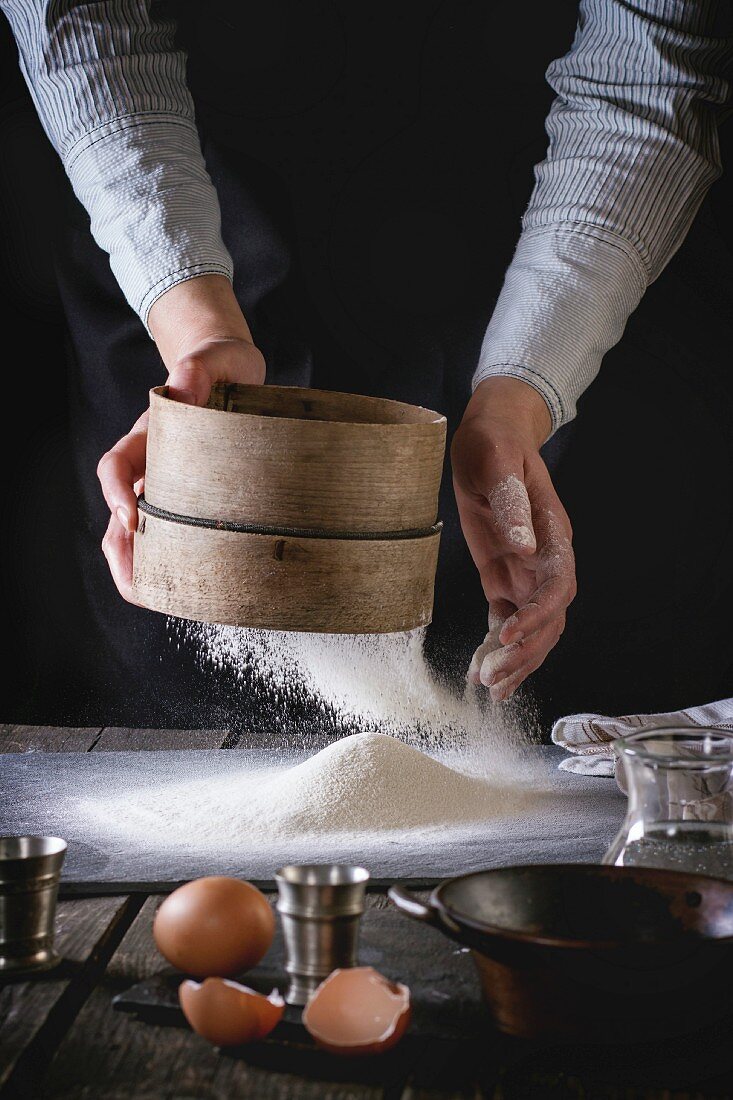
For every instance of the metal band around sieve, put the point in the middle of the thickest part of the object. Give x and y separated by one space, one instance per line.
284 532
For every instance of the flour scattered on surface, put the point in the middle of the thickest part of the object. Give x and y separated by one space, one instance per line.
361 789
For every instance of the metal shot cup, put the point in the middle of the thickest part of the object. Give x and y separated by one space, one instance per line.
320 906
30 868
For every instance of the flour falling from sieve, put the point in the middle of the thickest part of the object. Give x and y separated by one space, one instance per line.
404 751
312 687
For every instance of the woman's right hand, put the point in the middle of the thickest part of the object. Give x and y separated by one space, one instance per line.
202 338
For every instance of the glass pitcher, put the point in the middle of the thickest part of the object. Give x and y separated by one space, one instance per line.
680 812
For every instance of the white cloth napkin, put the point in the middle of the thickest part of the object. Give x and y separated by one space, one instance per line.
588 736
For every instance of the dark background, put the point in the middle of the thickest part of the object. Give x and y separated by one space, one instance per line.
386 153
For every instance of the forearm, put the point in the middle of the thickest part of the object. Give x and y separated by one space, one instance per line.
153 208
565 301
513 410
109 86
198 312
633 148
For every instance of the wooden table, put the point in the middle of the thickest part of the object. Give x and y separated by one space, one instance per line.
61 1037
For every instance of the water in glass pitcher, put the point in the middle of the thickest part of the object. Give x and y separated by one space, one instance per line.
699 847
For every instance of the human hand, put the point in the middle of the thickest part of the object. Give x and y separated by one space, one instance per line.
202 338
516 528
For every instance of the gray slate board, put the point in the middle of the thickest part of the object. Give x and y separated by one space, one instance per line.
42 793
445 994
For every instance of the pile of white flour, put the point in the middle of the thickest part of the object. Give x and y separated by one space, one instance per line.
425 756
363 790
368 781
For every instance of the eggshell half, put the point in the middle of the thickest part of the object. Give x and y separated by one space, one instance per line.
227 1013
357 1011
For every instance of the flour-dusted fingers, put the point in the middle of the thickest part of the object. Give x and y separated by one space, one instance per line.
499 610
527 654
120 469
503 689
493 504
549 602
556 585
117 548
512 512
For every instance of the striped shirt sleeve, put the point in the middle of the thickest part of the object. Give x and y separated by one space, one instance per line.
109 86
633 148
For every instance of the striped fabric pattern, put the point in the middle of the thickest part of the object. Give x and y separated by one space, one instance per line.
633 148
152 204
566 298
110 89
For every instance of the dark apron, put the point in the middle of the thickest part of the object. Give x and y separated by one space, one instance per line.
372 163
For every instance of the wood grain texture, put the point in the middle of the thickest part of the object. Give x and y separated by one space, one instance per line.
117 738
108 1054
288 457
324 585
14 738
35 1014
451 1051
452 1071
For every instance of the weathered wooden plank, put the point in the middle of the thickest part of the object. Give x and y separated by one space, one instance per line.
692 1067
137 957
377 899
440 975
34 1014
448 1071
253 739
119 739
695 1067
15 738
109 1054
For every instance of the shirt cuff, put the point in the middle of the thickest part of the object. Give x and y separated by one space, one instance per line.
566 298
152 205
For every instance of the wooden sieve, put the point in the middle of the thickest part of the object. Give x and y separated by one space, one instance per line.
291 509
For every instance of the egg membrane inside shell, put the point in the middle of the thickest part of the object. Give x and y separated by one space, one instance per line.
358 1011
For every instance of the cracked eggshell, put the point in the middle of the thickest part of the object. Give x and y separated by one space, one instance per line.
357 1011
229 1014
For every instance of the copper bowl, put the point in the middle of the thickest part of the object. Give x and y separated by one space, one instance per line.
585 953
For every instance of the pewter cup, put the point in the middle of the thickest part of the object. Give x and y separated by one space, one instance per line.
30 868
320 906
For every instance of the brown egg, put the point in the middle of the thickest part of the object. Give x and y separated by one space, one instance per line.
214 927
357 1011
228 1014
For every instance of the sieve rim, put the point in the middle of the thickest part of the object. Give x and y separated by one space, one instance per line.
153 510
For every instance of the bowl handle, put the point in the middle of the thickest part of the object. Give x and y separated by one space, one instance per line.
411 906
